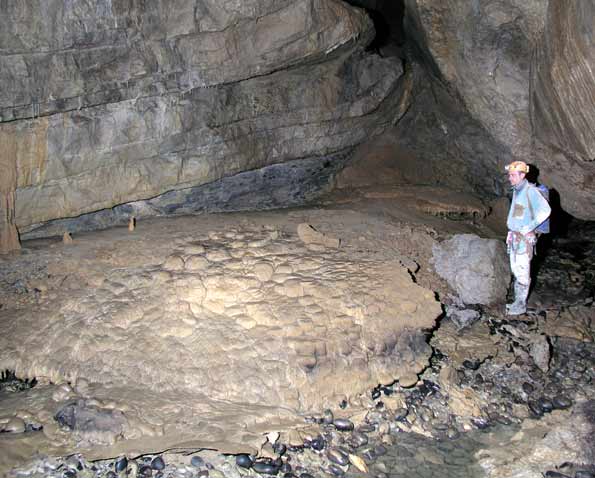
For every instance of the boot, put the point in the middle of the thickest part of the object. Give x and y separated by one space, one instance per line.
519 306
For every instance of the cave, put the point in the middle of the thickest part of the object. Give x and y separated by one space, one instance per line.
271 238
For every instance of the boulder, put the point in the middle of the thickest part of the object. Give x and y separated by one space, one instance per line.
477 269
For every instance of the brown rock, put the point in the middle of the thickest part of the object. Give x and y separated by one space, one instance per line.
309 235
9 236
67 238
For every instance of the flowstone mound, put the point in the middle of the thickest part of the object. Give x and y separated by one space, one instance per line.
174 328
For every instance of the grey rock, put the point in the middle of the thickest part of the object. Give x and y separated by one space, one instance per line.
477 269
277 186
343 424
91 420
462 317
540 352
504 69
171 101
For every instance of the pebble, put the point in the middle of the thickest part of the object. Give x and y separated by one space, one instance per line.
245 461
480 423
318 443
555 474
197 461
265 468
343 424
279 448
561 402
380 450
546 404
145 471
584 474
359 439
338 456
366 428
335 470
121 464
157 463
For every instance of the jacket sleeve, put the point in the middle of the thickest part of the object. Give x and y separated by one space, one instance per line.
541 210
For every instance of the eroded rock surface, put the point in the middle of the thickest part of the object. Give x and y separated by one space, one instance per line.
563 102
242 322
507 80
114 103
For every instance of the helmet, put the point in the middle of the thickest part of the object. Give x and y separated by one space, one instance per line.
519 166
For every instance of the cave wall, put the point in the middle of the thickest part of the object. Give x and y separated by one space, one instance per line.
118 101
509 80
563 103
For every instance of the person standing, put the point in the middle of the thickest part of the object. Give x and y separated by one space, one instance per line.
527 211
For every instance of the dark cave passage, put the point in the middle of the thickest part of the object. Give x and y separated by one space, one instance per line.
388 22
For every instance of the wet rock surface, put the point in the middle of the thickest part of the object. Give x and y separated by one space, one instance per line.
247 323
500 397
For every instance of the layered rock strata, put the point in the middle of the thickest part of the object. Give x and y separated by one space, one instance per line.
116 102
563 103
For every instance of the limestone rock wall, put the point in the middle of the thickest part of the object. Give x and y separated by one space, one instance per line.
563 102
112 102
519 76
481 50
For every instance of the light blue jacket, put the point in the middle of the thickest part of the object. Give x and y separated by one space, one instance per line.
523 217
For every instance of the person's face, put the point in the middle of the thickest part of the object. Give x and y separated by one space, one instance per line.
515 177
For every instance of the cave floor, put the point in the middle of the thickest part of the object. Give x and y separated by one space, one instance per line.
202 332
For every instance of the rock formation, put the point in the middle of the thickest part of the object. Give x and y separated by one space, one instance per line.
9 236
230 321
563 103
477 269
113 103
508 80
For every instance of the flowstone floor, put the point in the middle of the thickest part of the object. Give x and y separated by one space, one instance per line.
207 330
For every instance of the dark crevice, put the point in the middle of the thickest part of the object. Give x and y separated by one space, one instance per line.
387 16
